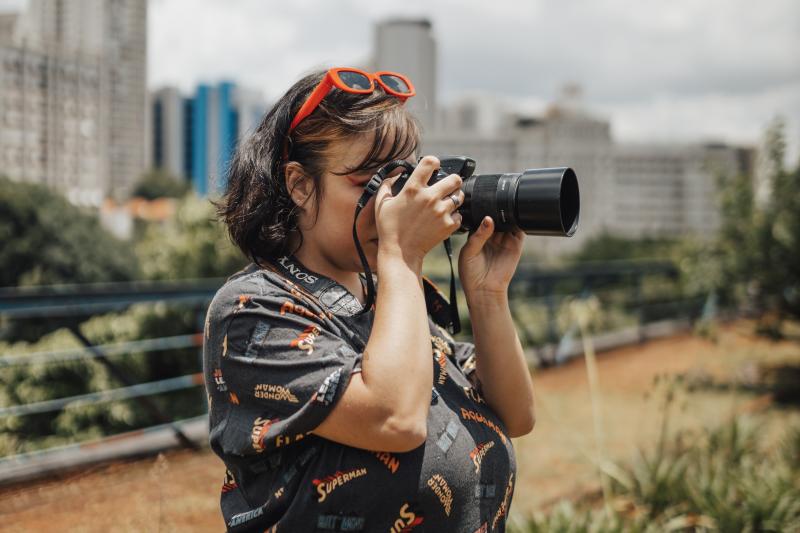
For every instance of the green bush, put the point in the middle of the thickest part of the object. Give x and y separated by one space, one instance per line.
43 381
160 184
193 244
724 479
47 240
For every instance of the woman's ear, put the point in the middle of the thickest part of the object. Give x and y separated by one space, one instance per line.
299 185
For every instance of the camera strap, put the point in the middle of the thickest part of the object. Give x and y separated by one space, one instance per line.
433 298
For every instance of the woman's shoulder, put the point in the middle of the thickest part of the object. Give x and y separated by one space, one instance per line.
250 282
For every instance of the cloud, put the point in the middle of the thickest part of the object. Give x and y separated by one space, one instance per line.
658 69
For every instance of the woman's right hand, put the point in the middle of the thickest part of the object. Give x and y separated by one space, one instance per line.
420 216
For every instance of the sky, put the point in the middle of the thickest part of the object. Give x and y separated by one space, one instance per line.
682 70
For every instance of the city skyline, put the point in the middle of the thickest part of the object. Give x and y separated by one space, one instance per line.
682 71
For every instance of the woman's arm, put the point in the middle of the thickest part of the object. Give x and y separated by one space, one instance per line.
486 264
385 406
500 363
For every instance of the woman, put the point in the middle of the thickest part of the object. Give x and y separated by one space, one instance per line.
330 416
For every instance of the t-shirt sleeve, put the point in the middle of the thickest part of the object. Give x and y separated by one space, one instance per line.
283 370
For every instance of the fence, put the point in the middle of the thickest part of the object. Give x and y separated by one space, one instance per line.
643 293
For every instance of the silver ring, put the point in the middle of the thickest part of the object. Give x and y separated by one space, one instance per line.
455 199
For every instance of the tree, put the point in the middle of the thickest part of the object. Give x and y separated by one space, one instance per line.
46 240
758 245
607 247
193 244
778 231
159 184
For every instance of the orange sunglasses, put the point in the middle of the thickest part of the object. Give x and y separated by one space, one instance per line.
355 81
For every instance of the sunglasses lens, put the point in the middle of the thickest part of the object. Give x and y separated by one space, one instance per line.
354 80
395 83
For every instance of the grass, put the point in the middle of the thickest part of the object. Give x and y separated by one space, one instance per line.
723 479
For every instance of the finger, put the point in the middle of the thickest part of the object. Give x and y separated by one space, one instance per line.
454 220
426 168
447 186
385 189
476 241
459 200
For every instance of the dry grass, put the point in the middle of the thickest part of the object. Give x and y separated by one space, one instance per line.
179 490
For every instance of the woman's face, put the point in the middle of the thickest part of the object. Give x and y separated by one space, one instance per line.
331 235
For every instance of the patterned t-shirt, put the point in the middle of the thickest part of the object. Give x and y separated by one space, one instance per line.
280 345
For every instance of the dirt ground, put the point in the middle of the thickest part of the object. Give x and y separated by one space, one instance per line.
178 491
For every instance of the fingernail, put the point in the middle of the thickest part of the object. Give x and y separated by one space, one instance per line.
485 222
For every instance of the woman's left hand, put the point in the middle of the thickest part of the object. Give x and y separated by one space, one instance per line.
487 261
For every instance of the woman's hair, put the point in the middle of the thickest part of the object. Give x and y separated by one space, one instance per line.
259 212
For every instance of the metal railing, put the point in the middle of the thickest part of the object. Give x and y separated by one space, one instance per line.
547 289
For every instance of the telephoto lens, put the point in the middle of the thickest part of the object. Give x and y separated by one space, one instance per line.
540 201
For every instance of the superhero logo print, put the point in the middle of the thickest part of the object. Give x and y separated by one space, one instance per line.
407 520
268 391
242 518
297 309
328 484
260 430
501 511
442 490
441 360
468 414
340 522
305 341
441 345
284 440
328 388
391 461
473 395
478 452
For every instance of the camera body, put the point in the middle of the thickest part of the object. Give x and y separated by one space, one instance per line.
543 201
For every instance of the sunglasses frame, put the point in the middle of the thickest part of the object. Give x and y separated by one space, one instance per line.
332 79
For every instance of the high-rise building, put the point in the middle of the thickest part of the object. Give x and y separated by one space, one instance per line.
407 46
626 189
195 137
51 128
75 78
170 132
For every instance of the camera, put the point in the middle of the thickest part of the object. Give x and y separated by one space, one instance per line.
539 201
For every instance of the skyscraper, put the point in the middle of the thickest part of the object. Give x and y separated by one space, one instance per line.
81 65
195 137
407 46
170 132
